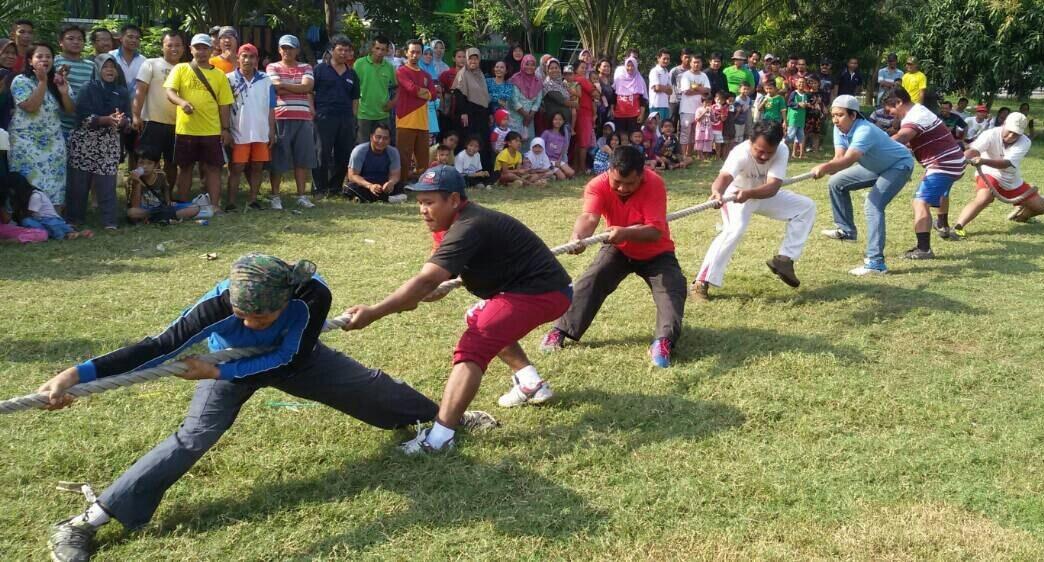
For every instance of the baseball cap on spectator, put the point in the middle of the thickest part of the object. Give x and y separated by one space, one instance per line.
228 30
739 55
568 69
769 57
439 178
846 101
202 39
892 57
1016 123
247 48
981 108
289 41
911 60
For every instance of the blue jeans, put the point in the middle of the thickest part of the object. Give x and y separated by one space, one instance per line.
56 227
883 188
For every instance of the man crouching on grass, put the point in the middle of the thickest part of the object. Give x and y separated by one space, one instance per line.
265 302
500 261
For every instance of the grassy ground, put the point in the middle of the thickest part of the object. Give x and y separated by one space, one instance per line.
886 418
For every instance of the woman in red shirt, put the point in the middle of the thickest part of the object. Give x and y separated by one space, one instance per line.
584 134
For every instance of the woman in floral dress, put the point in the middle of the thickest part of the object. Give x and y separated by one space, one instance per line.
528 96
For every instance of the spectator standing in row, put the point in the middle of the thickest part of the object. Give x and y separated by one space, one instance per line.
850 82
660 89
130 61
629 88
694 86
753 60
528 97
228 50
202 125
295 133
154 116
472 100
914 81
336 104
376 79
674 100
22 35
416 88
888 77
77 70
715 75
7 74
253 125
737 74
500 89
101 42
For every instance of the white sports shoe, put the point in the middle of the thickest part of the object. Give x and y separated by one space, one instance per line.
519 395
276 202
419 445
202 200
395 199
205 212
304 201
870 267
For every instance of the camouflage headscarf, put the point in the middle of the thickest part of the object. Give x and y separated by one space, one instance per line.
260 284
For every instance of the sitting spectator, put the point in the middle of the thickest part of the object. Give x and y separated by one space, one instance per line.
443 156
952 121
668 148
977 124
375 170
469 163
103 109
33 209
507 169
450 140
1002 115
149 199
883 120
557 145
540 167
605 153
1030 126
10 232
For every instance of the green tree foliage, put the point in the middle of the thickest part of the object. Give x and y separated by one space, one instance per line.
979 47
603 25
46 16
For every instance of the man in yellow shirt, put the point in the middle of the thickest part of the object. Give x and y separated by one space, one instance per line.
202 123
914 81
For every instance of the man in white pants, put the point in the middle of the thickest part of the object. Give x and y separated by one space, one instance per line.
754 172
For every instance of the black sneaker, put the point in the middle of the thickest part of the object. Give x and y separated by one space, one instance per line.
916 253
943 231
230 208
255 206
71 541
783 267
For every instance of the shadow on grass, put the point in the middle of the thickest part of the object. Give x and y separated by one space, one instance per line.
46 350
1009 257
882 302
450 491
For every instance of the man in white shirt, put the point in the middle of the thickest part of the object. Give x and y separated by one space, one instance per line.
978 123
154 115
997 156
693 85
754 172
253 125
660 89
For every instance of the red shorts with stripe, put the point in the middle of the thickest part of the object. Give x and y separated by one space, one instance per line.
502 320
1013 196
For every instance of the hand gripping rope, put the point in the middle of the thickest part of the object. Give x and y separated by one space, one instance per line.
39 400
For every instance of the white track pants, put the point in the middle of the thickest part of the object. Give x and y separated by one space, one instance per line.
798 211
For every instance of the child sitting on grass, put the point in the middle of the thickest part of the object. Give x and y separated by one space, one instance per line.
637 141
33 209
507 169
12 232
603 155
540 166
443 156
469 163
556 144
668 149
148 199
451 140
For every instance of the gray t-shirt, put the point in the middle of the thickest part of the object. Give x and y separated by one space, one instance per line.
375 167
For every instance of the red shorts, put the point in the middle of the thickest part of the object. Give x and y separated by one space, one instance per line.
502 320
1013 196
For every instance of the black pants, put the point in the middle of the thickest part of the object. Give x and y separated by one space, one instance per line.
662 273
356 191
336 134
331 378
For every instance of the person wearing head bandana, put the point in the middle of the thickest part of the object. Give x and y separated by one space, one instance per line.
103 109
527 99
471 102
267 303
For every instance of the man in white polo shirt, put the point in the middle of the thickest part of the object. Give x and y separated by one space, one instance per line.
253 125
154 115
660 88
754 172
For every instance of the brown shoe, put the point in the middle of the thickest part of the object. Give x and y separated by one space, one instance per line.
783 267
698 291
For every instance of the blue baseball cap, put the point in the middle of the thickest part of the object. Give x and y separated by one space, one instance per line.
289 41
440 178
202 39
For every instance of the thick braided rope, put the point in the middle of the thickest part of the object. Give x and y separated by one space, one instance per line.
39 400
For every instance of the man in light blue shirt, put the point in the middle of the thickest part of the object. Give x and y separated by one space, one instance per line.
888 78
130 61
864 156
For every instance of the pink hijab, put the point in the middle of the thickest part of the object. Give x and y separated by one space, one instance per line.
528 84
630 83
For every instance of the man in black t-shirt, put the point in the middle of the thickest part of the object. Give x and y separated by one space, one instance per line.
500 261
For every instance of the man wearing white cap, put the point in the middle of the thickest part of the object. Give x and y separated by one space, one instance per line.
295 133
202 125
864 157
997 156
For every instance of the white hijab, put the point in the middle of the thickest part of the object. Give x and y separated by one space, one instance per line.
538 161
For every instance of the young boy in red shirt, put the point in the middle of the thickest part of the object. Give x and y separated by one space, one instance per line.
633 201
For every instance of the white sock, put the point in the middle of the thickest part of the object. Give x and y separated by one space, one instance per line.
528 377
439 435
95 516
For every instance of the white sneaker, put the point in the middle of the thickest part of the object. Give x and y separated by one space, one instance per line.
202 200
276 202
400 198
519 395
419 445
869 267
837 234
205 212
304 201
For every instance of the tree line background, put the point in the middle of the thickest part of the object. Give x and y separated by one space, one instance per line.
977 48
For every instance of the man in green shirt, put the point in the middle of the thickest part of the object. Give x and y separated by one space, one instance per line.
737 74
376 76
78 70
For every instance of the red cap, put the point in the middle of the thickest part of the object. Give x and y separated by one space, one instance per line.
981 108
500 115
247 48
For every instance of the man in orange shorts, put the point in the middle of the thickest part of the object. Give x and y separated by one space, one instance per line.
997 155
253 125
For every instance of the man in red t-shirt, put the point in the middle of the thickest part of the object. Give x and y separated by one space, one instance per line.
416 89
633 201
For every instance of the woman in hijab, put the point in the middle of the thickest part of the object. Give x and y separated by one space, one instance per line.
630 92
500 90
471 102
8 56
513 60
527 97
427 64
557 97
541 72
438 48
102 110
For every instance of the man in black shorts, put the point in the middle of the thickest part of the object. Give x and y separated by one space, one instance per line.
154 115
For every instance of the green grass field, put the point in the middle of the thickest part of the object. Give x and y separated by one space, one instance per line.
886 418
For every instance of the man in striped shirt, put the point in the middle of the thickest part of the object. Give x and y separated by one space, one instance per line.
935 148
295 144
80 70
